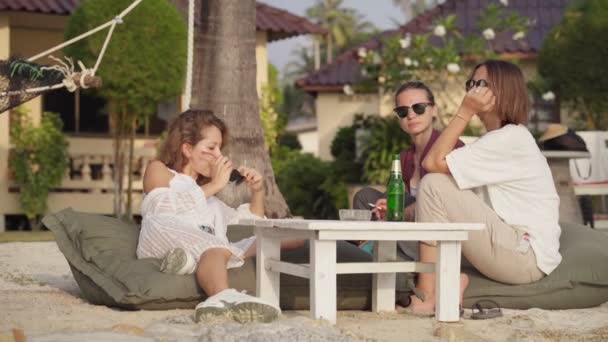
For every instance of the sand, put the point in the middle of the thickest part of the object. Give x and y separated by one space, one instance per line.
39 298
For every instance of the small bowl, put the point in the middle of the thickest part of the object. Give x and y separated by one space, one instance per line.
355 215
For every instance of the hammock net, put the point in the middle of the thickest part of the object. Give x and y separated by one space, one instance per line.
22 80
19 77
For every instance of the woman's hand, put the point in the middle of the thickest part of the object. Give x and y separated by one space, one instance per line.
220 175
477 100
408 213
254 179
380 209
220 171
255 182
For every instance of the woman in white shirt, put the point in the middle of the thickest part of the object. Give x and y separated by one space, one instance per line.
184 223
502 180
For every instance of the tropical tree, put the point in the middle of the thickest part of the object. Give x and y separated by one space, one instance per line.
296 102
572 62
438 56
411 8
345 26
225 82
144 65
271 98
301 63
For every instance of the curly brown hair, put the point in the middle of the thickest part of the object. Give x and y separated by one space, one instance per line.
187 129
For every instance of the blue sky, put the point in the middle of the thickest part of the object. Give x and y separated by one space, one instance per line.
380 12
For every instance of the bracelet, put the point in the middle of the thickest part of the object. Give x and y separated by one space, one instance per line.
460 117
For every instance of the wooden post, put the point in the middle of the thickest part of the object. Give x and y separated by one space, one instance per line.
323 283
5 52
267 281
447 278
383 284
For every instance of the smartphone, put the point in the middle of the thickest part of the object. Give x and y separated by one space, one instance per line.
236 177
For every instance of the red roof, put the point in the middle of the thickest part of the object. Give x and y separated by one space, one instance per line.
63 7
276 22
543 16
281 24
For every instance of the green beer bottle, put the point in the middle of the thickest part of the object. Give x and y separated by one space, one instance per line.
395 192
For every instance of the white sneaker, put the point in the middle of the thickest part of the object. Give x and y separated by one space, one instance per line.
239 306
178 261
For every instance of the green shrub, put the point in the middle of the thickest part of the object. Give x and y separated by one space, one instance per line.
383 140
572 61
38 160
344 151
310 185
290 141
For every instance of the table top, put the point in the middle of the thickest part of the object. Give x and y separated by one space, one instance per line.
336 225
567 154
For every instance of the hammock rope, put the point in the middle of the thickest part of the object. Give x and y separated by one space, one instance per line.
86 77
189 62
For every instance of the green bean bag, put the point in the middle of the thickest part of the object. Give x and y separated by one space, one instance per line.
101 253
580 281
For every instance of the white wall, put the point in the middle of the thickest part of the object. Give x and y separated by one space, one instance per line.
310 142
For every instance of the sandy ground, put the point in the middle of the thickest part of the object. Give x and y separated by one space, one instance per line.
39 297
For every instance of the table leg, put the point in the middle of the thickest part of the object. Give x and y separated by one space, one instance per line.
323 291
447 284
267 282
383 284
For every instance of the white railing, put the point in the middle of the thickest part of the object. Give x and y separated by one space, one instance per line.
88 183
91 162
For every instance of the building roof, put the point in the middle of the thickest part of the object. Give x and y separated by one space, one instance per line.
301 124
278 23
281 24
543 15
62 7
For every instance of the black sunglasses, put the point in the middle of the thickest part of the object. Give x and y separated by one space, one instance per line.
418 108
469 84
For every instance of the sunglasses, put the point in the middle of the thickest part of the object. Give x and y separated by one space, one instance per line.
418 108
470 84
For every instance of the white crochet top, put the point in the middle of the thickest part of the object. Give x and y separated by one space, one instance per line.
181 216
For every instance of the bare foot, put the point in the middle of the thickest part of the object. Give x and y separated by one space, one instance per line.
464 283
428 305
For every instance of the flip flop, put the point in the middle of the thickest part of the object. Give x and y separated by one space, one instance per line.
489 309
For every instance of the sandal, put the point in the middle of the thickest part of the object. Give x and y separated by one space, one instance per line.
491 309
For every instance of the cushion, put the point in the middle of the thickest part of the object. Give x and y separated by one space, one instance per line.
101 253
581 280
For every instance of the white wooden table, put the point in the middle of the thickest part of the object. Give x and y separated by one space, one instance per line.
323 267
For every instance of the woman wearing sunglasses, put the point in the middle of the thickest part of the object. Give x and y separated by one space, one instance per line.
415 107
514 194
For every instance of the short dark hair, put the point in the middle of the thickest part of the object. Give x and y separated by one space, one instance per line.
415 85
507 82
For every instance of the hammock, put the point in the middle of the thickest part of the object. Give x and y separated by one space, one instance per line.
22 80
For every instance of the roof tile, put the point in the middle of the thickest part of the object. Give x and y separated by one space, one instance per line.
545 14
277 22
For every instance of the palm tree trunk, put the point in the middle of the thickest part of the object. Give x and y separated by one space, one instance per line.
225 82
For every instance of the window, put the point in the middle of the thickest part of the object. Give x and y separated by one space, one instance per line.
85 113
82 112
